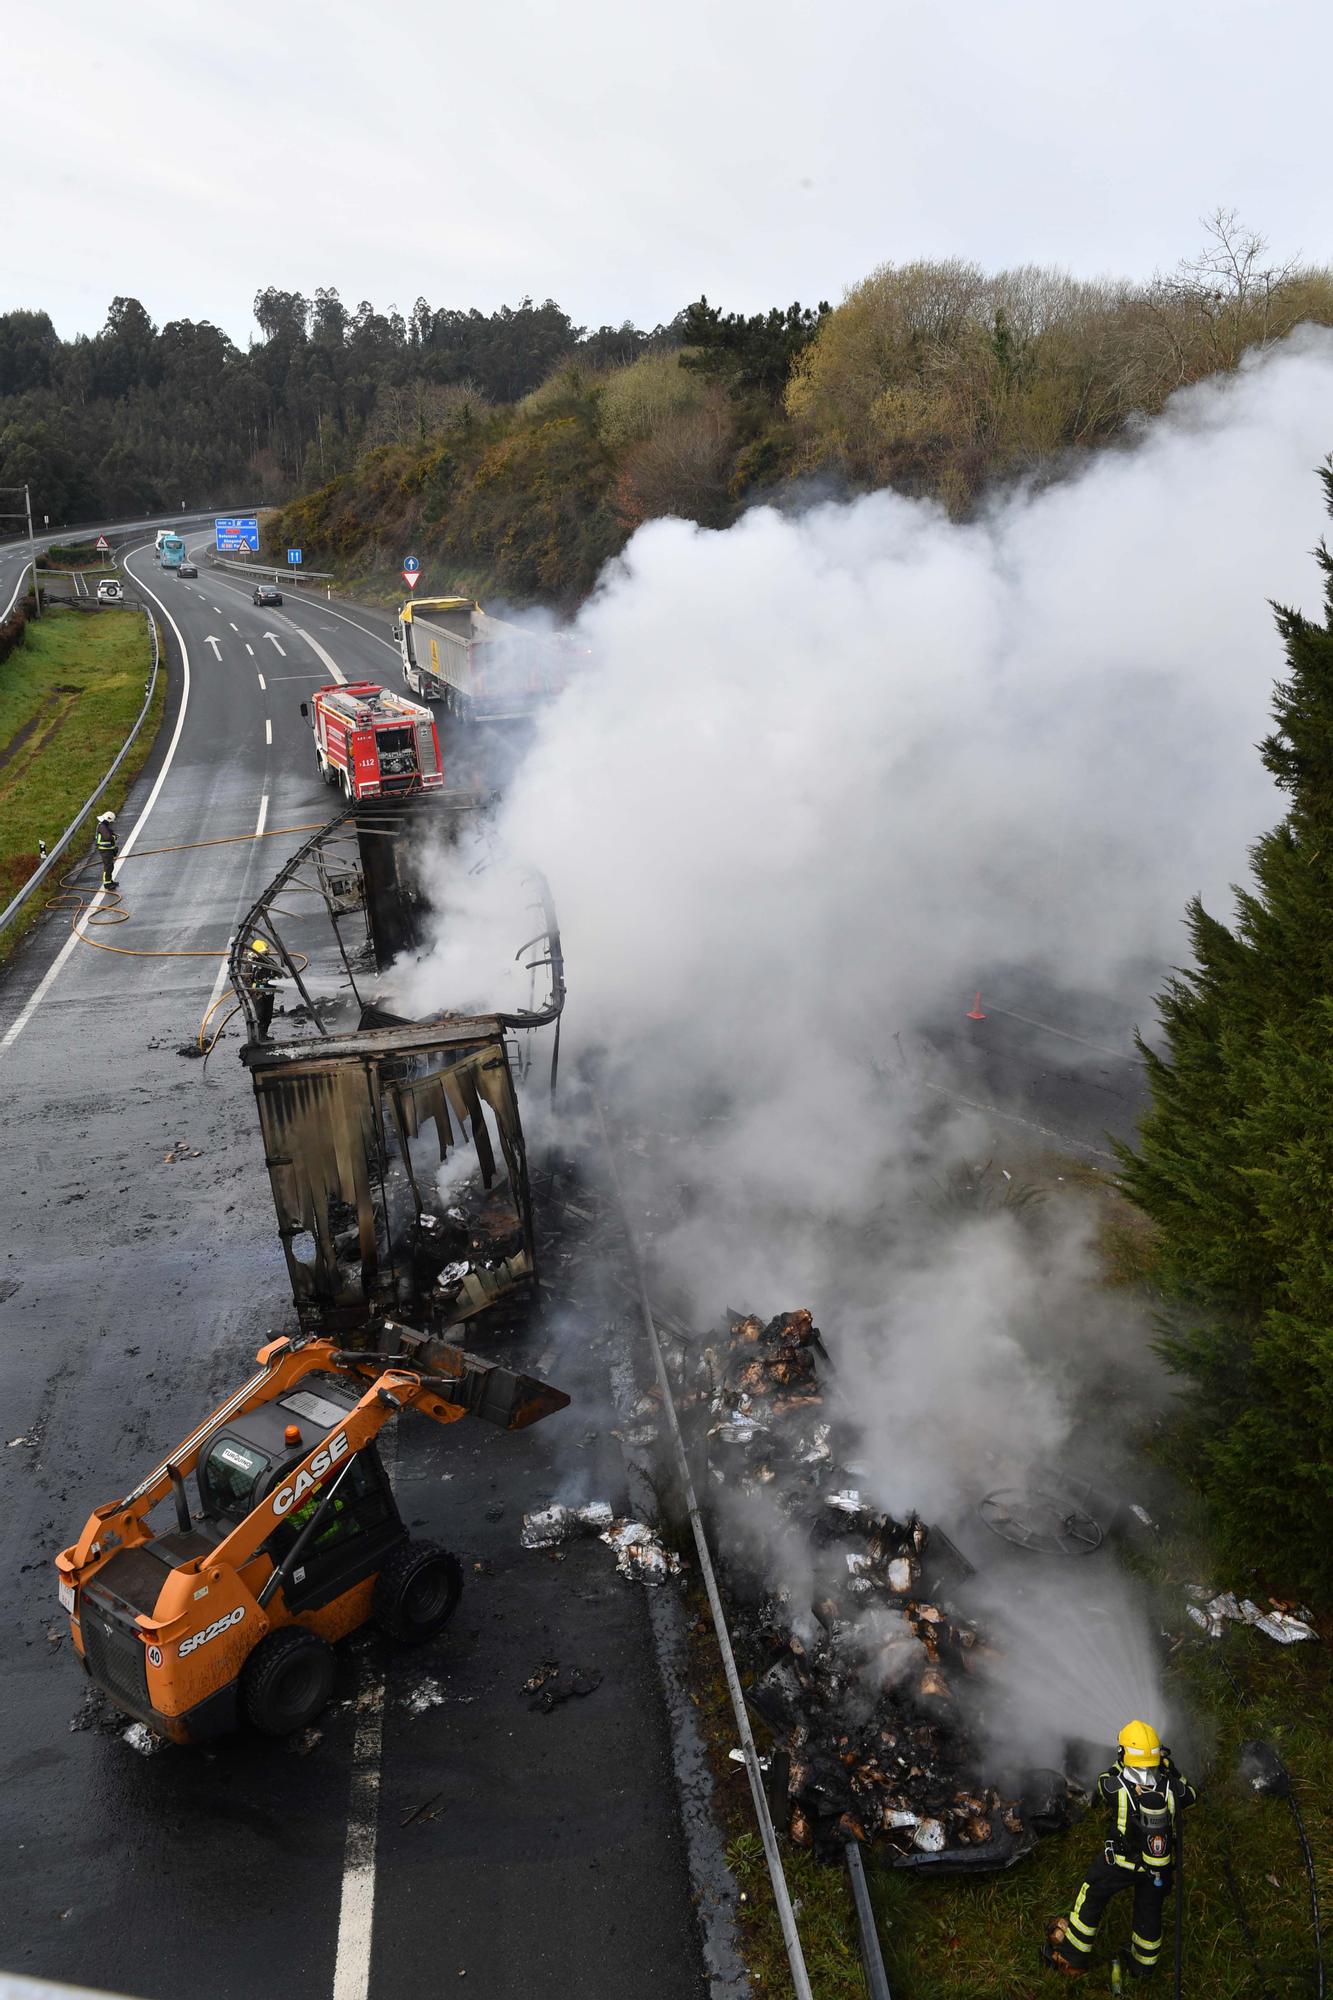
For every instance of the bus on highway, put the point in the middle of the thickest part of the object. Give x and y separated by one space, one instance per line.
171 553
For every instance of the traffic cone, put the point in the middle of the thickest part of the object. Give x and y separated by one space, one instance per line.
974 1012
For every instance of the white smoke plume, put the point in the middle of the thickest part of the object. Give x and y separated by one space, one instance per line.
829 772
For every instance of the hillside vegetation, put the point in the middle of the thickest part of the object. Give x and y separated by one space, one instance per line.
933 377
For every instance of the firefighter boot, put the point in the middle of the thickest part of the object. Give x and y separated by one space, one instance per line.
1052 1953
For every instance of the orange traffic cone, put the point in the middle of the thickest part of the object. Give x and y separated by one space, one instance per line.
974 1012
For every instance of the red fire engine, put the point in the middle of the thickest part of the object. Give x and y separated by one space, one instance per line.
369 741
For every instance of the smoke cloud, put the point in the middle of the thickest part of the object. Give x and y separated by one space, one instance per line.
828 772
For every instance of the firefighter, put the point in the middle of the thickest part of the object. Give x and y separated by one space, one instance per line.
107 847
1146 1792
261 976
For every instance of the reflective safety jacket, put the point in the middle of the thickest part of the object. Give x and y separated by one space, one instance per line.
106 837
1143 1833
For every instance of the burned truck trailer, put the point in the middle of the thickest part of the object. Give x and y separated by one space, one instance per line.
394 1145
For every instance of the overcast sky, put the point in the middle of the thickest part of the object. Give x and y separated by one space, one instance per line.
623 159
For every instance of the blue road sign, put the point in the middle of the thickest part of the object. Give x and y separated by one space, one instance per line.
411 566
293 555
236 531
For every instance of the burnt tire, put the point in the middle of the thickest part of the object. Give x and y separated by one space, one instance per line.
287 1681
417 1592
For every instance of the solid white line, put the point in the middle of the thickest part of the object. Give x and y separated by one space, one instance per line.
249 649
224 970
327 658
44 986
356 1914
268 730
263 684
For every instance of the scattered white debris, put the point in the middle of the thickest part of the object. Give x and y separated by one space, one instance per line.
142 1739
639 1553
740 1430
929 1836
902 1818
901 1575
426 1695
1142 1514
847 1500
738 1757
549 1526
1224 1607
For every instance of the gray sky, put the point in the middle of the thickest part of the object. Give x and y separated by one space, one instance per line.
622 159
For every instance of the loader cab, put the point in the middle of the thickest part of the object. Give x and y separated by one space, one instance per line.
252 1460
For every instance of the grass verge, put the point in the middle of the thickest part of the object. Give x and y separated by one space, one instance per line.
68 699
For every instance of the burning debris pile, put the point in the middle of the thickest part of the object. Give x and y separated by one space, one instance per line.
858 1670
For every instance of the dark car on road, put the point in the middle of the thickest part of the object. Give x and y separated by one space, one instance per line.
267 593
186 569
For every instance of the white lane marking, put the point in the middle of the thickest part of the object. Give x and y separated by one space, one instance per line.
263 684
217 650
224 970
249 649
329 611
273 638
356 1914
268 730
40 992
218 609
327 658
235 628
23 571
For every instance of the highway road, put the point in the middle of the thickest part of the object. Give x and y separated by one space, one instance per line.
436 1827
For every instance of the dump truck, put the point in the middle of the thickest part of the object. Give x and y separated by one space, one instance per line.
229 1612
369 742
483 669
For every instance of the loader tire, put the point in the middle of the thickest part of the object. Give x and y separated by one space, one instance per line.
287 1680
417 1592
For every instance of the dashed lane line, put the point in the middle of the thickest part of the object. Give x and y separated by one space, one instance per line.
268 730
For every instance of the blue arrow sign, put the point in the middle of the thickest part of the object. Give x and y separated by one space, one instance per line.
411 566
232 532
293 555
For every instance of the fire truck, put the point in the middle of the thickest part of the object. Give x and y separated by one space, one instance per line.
369 742
482 668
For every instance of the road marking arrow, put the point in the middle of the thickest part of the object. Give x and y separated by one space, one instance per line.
217 650
272 637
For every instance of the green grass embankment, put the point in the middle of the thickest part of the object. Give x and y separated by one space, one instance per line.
68 699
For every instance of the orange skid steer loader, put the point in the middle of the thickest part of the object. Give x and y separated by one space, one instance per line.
230 1615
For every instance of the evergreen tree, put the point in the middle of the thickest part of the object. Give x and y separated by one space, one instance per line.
1235 1161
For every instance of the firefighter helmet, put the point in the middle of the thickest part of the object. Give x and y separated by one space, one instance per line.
1140 1745
104 816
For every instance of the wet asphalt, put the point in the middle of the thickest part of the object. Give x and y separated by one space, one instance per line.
519 1850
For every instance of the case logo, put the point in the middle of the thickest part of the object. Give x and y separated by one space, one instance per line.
309 1476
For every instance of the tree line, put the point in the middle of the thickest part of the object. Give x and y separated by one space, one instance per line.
137 418
936 378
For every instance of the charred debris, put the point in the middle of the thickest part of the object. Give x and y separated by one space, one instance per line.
866 1673
394 1145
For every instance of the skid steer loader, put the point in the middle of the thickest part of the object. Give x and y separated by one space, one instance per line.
230 1614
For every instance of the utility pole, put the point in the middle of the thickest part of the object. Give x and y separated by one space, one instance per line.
26 514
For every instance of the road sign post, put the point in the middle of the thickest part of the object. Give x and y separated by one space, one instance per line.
411 572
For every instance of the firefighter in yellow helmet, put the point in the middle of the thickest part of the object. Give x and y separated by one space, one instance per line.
1146 1794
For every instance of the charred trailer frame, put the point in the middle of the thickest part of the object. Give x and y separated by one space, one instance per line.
339 1121
362 1111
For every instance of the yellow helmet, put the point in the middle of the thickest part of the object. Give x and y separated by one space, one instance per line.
1140 1745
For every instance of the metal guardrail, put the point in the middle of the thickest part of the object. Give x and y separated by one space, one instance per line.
293 573
40 874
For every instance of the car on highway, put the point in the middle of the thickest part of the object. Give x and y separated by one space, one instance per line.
186 569
267 593
109 591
